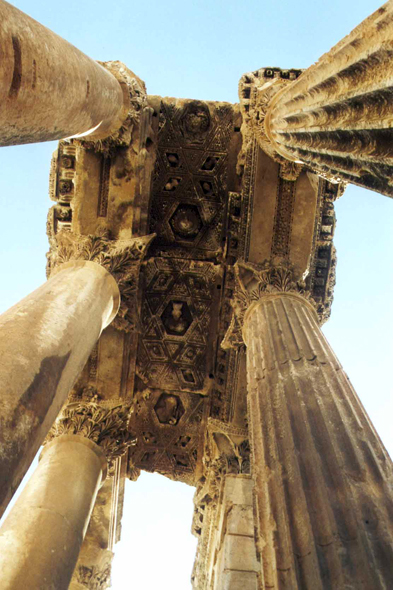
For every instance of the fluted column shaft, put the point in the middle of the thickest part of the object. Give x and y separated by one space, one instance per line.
45 340
337 117
49 89
323 478
41 538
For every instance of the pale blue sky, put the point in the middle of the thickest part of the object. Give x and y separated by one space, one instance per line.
200 50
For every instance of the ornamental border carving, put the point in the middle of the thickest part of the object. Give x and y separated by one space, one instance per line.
229 454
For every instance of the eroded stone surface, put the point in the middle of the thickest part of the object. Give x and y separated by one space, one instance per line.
236 219
59 91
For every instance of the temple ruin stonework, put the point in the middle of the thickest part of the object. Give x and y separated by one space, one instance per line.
191 266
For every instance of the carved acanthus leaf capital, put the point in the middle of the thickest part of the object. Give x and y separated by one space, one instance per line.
254 282
108 427
121 257
257 91
93 577
135 100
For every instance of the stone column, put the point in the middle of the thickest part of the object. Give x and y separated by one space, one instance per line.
41 538
46 339
337 116
224 516
323 479
93 569
51 90
236 566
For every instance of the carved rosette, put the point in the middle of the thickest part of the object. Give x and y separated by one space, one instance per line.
253 282
122 258
257 91
108 427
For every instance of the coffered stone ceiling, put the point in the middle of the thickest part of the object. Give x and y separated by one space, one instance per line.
192 177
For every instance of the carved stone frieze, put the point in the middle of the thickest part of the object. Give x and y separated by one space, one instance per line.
122 258
227 450
63 174
59 219
283 216
106 425
169 430
177 318
257 90
322 275
86 393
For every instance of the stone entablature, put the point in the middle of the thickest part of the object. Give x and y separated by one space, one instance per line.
177 296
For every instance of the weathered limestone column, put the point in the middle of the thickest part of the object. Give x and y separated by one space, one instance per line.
93 569
224 515
323 479
41 538
51 90
337 116
236 566
46 339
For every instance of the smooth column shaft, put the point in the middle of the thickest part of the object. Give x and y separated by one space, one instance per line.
45 340
337 117
41 538
49 89
323 480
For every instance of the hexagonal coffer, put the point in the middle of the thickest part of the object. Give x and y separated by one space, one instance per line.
186 222
169 409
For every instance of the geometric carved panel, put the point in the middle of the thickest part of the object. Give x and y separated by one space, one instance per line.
189 190
177 328
169 431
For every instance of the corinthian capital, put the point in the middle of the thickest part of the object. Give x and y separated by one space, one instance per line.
93 577
135 100
257 92
108 427
122 258
254 282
